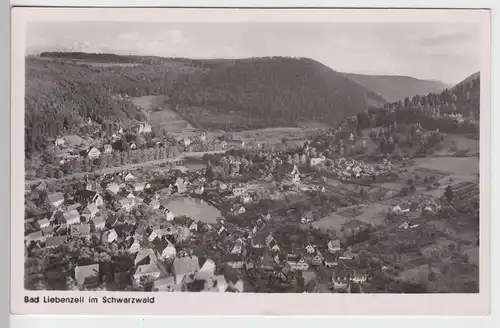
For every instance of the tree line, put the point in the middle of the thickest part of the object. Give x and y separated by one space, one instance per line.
453 110
116 159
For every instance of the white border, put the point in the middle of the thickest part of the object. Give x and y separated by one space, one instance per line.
245 304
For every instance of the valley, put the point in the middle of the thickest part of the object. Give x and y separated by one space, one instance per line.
266 174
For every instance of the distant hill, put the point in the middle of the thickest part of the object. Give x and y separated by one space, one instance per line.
276 90
64 88
435 110
394 88
470 79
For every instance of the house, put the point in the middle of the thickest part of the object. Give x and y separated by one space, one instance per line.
359 276
146 271
43 223
317 260
217 284
129 177
154 204
159 233
89 196
145 256
185 266
56 199
56 241
181 185
60 142
48 231
132 145
90 211
193 226
237 248
200 190
317 161
165 249
72 217
222 231
113 188
34 237
74 206
290 172
80 230
296 262
330 261
93 153
87 275
169 216
273 245
334 246
340 279
269 239
93 186
235 261
140 186
237 192
143 127
208 268
127 204
99 223
110 236
186 142
310 249
246 198
108 149
135 247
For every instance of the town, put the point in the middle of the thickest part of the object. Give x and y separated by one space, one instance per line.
378 204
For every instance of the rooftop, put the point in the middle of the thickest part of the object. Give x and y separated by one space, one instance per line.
187 264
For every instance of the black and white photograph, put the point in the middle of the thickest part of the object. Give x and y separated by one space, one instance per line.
329 156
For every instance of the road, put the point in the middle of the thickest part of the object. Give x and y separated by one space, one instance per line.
110 170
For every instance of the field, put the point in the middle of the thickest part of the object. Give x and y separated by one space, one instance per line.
373 214
271 135
457 165
452 143
333 221
164 118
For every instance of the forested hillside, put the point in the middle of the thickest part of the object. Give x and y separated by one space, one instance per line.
60 95
286 90
395 88
453 110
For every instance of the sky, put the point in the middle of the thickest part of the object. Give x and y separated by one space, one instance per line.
448 52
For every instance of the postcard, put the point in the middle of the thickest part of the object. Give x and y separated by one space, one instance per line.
250 161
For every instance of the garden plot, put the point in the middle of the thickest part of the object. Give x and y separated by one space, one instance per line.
333 221
373 214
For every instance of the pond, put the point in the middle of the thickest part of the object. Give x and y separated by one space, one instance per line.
193 208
